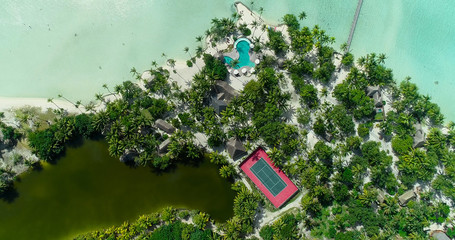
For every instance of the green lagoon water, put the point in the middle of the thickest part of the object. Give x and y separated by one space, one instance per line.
87 190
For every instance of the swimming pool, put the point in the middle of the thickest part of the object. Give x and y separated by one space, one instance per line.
243 48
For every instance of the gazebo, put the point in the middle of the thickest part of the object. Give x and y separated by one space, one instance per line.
235 148
164 126
218 105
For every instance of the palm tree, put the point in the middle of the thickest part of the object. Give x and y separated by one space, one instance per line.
199 39
99 97
118 89
105 86
199 51
302 15
261 11
154 64
90 106
344 47
263 28
381 58
51 100
235 16
361 61
134 71
186 49
255 25
61 96
78 104
171 62
234 63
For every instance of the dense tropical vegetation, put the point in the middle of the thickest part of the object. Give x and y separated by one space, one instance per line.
350 165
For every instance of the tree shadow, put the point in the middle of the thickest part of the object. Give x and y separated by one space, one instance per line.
37 166
76 142
9 195
159 172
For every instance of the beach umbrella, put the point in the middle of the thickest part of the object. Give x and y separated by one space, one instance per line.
236 72
256 61
251 45
243 70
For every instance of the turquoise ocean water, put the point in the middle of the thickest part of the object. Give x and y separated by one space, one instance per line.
72 47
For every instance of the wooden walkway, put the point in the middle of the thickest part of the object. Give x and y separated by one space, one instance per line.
354 23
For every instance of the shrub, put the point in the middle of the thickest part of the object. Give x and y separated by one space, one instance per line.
363 130
214 68
348 59
402 145
9 133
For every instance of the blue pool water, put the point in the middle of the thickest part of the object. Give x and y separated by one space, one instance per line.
243 48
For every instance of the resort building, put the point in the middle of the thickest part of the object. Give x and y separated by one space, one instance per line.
371 90
162 148
235 148
219 105
439 235
272 182
406 197
419 136
164 126
375 93
128 156
228 92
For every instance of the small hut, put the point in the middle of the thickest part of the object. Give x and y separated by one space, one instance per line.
164 126
218 105
419 136
223 87
128 156
381 197
220 96
162 148
235 148
406 197
377 100
371 90
439 235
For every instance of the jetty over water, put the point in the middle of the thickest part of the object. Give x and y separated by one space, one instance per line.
354 23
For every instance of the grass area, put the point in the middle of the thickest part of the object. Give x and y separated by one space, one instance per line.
34 117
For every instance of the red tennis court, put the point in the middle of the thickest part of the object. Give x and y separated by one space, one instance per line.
275 185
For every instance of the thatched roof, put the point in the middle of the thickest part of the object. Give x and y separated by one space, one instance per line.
440 235
381 196
406 197
220 96
128 155
163 146
419 137
165 126
218 105
371 90
223 87
235 148
377 99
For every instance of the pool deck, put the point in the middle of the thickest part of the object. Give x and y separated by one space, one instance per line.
234 54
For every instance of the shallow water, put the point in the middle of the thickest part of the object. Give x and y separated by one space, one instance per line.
73 47
87 190
419 39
